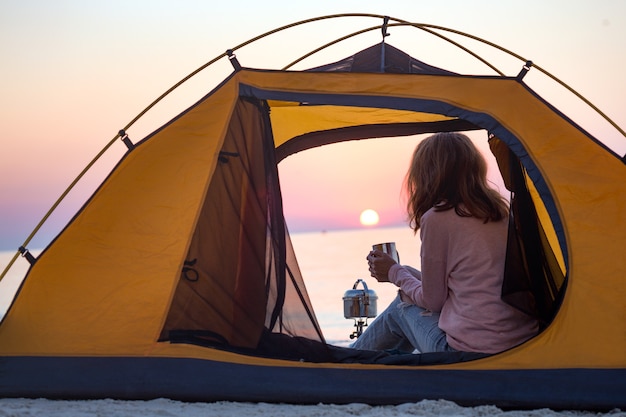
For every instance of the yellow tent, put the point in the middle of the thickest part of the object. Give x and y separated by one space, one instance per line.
177 277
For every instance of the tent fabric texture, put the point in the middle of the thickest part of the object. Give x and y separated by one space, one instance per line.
177 278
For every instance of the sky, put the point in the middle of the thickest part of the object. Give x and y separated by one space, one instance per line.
73 73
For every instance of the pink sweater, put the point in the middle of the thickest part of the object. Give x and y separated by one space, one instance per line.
461 277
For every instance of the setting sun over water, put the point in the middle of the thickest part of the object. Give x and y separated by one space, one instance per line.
369 217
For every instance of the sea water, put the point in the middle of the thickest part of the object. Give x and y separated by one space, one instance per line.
332 262
11 281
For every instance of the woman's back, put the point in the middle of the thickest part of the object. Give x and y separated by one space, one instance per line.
469 254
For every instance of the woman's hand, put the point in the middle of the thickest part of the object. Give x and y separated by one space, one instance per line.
379 264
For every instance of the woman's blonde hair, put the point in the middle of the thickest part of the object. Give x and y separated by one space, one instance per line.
448 172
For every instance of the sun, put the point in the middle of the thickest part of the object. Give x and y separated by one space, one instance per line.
369 217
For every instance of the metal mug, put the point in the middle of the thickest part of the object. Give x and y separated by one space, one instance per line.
389 248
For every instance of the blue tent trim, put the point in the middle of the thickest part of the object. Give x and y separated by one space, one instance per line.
204 380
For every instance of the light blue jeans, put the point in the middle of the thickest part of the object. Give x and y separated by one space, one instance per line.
404 327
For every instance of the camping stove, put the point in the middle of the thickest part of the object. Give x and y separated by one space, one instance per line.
359 304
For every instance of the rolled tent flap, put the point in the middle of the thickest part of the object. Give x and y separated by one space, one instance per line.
533 279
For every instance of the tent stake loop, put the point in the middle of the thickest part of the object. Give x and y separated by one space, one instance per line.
233 59
384 27
124 136
524 70
26 254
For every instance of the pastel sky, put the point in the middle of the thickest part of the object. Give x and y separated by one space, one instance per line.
72 73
